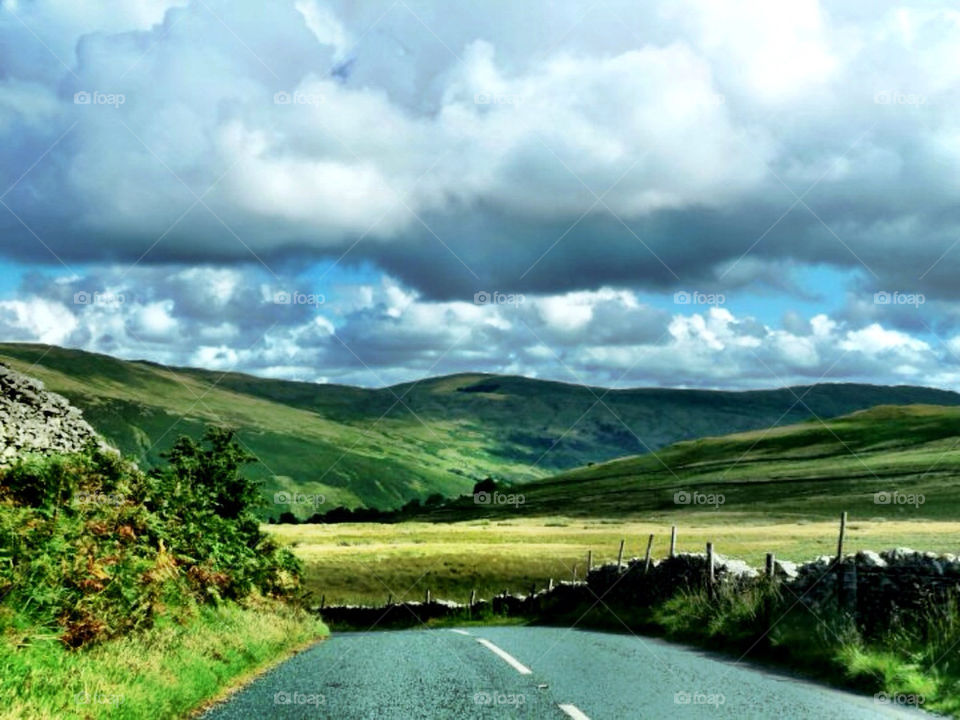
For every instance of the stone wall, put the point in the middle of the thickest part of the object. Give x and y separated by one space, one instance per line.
877 588
874 588
34 420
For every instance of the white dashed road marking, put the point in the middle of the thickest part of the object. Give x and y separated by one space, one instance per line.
507 657
571 710
574 712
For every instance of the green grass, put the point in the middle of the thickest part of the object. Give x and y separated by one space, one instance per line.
366 562
165 672
765 624
913 663
783 491
811 470
358 446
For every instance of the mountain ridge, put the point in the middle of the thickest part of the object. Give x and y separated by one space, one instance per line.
362 446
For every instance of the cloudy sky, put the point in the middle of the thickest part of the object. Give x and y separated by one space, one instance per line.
678 193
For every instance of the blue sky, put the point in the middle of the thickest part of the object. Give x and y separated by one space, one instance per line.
375 192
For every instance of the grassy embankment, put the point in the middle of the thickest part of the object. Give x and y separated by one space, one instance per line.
913 663
165 672
129 595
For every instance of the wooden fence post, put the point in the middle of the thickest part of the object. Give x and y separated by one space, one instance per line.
710 572
646 558
389 599
620 555
589 561
323 601
839 561
771 565
550 585
533 589
673 540
426 597
843 529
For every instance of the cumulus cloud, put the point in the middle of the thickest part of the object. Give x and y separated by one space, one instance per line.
37 320
685 141
380 333
186 159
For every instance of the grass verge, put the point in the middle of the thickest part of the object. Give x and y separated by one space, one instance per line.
168 671
914 663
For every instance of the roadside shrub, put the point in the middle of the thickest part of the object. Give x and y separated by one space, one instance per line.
92 547
734 615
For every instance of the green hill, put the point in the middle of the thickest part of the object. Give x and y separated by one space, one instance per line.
890 462
382 447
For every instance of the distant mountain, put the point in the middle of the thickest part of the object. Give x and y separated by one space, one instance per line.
385 446
892 462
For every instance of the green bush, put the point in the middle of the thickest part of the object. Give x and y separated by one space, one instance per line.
92 547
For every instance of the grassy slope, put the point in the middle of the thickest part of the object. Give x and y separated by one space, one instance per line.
165 672
356 446
809 470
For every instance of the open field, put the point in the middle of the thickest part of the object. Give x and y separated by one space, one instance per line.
366 562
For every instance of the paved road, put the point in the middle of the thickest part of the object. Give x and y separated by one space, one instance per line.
521 672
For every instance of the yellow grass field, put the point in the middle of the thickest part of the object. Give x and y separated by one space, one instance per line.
368 562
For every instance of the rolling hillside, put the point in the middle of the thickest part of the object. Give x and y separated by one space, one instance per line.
382 447
894 462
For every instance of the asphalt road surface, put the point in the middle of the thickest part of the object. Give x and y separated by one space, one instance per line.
524 672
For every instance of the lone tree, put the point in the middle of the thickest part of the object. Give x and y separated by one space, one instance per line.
487 485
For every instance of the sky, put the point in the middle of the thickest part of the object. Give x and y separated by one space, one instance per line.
675 193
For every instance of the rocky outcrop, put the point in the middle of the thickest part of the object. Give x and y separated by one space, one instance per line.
34 420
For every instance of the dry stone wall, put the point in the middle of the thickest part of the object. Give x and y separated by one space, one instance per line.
874 588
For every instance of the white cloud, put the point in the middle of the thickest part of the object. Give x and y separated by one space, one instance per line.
325 26
36 319
564 312
154 321
450 153
385 333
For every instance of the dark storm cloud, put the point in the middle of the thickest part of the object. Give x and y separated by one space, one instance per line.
644 155
193 158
